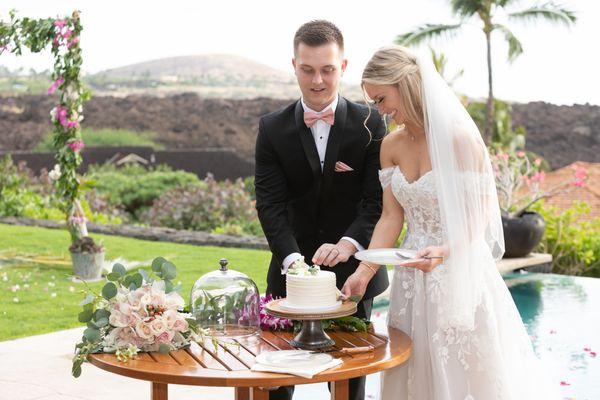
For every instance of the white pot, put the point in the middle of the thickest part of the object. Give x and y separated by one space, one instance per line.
88 266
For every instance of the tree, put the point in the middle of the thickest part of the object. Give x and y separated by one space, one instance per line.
486 11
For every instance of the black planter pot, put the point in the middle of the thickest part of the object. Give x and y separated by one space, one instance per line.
522 233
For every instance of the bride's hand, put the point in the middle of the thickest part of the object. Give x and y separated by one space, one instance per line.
428 258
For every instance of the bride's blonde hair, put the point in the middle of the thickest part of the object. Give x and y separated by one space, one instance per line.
397 66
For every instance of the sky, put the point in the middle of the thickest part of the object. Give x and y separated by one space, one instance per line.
559 64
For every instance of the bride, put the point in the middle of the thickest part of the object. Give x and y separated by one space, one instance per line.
468 339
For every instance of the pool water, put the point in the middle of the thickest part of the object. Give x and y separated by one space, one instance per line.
562 316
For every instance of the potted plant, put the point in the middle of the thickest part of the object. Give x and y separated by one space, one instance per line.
87 257
519 181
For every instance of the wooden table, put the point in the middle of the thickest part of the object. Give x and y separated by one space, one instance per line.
203 365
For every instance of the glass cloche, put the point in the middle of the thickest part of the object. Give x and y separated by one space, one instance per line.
226 302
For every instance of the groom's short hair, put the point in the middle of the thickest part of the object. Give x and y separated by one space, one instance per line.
317 33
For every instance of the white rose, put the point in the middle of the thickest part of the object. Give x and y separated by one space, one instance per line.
158 326
174 301
170 316
55 173
118 319
143 330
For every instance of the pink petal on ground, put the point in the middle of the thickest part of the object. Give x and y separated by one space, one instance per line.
563 383
587 349
592 353
552 332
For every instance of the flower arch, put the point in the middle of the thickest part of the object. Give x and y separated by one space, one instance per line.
62 36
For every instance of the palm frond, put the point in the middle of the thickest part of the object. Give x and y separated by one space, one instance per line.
549 11
515 48
467 8
425 32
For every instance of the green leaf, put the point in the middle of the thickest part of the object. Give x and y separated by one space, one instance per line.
76 370
164 348
101 313
119 268
426 32
85 316
168 271
92 335
515 48
356 298
157 263
113 276
109 291
88 299
138 279
102 322
168 286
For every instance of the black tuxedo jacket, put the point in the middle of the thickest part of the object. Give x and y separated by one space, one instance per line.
300 207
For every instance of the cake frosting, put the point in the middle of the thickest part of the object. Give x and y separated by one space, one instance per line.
310 288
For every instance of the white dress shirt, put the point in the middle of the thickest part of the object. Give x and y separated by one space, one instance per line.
320 131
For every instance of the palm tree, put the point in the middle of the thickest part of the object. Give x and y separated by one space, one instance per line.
486 11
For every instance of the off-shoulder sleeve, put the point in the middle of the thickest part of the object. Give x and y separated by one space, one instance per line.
385 176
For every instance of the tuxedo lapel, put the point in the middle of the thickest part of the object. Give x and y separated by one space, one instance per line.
308 142
336 135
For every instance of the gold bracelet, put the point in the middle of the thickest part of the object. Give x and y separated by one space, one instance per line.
372 268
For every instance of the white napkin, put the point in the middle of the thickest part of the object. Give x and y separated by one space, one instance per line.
304 372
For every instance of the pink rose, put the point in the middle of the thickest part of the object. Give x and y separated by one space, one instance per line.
76 145
55 85
72 42
60 23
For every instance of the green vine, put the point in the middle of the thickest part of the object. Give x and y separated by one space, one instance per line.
62 37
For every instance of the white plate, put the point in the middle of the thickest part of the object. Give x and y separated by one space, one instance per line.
295 358
387 256
287 306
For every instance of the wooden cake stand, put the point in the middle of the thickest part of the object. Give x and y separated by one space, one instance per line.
311 336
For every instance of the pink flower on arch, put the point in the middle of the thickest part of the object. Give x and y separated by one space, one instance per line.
76 145
72 124
60 23
73 42
55 85
521 154
67 33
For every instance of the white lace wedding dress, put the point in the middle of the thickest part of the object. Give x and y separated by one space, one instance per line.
493 361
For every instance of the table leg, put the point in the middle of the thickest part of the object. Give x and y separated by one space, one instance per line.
257 393
339 390
242 393
159 391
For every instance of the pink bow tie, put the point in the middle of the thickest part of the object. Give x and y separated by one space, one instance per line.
310 117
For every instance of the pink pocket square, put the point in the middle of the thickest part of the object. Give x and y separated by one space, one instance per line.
341 167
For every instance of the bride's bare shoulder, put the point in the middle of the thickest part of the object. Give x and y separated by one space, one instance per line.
394 140
392 146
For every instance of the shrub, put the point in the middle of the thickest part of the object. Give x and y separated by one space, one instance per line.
135 187
573 242
220 207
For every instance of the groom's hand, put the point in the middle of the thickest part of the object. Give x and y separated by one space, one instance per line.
330 255
356 284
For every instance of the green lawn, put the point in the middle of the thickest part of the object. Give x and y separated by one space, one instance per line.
39 298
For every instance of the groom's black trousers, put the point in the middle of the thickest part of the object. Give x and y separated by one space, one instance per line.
356 385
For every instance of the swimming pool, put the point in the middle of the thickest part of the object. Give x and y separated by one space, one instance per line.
562 316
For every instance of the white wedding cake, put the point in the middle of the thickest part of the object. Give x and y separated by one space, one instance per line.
309 288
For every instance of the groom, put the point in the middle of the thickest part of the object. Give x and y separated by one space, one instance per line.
318 194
